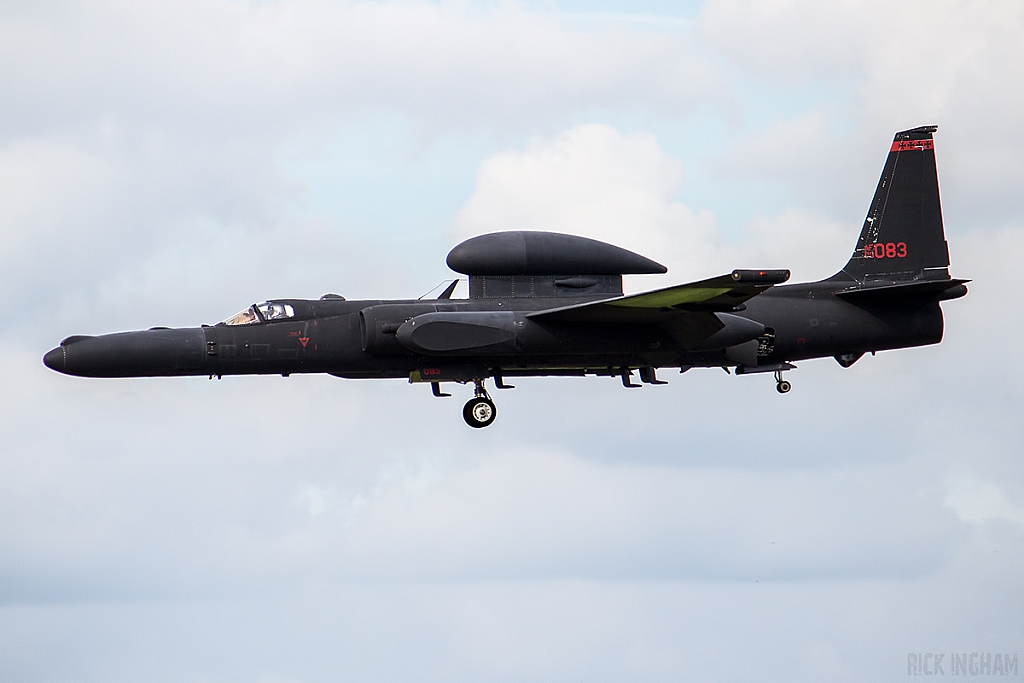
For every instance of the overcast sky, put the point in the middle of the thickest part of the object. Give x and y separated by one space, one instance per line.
169 163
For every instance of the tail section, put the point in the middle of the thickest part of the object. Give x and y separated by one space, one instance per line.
902 239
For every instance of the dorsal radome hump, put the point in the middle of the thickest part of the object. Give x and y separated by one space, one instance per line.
523 252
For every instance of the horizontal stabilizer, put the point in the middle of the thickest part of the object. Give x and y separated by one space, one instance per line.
723 293
939 289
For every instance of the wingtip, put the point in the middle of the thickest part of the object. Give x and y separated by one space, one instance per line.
766 276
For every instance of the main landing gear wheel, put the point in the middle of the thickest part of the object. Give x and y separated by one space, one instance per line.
479 412
781 385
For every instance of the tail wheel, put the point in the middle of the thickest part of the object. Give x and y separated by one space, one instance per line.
783 387
479 412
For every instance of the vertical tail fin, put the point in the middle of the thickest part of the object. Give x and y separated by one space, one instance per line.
902 238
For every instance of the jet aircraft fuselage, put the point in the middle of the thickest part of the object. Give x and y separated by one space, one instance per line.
550 304
330 336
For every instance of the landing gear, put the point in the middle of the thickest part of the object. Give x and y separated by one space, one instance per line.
781 385
479 411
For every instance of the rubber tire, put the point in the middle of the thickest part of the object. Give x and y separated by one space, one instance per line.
479 412
783 387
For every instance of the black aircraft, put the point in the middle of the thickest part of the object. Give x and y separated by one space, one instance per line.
543 304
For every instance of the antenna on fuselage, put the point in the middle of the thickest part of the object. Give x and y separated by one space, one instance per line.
446 294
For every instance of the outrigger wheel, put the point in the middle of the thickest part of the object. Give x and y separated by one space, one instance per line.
479 411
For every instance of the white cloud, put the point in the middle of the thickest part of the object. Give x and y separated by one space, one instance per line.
232 68
954 63
45 185
166 487
594 181
141 138
918 45
545 514
975 500
270 528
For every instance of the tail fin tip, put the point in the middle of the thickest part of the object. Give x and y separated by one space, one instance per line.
912 133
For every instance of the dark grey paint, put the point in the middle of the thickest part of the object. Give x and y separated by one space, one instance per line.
876 302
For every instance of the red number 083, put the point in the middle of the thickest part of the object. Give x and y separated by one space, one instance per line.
887 250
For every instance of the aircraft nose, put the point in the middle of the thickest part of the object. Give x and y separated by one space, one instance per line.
146 353
55 359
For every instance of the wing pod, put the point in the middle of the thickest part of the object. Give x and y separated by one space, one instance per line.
760 277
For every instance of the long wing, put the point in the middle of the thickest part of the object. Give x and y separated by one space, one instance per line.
722 293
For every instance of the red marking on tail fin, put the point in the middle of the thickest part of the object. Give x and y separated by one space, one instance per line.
911 145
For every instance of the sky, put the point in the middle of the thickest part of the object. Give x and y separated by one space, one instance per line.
171 163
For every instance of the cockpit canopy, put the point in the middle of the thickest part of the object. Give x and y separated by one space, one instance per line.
268 311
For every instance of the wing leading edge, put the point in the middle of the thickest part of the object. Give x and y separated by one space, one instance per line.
721 293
